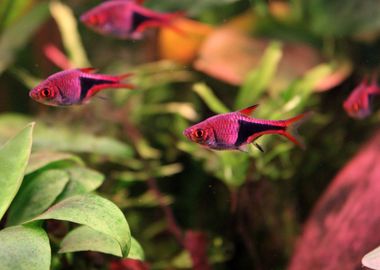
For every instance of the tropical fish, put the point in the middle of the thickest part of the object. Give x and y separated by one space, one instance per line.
235 130
125 19
75 86
358 104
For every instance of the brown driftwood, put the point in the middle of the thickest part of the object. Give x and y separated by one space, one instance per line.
345 223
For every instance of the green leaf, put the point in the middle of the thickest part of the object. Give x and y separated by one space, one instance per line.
62 138
209 98
67 25
16 36
97 213
84 238
136 252
36 195
14 156
372 259
258 80
342 18
233 168
41 159
82 180
24 248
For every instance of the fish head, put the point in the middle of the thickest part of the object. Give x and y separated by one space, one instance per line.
357 109
200 133
358 104
107 18
46 93
94 19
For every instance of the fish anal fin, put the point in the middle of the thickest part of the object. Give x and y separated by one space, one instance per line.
88 70
98 88
249 110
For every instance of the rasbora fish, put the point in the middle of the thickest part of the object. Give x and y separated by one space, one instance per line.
358 104
235 130
126 19
75 86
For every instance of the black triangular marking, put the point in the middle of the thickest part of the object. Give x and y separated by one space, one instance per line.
87 83
247 129
137 20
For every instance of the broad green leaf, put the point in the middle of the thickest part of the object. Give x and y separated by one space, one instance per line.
17 35
14 156
85 238
258 80
24 247
36 195
62 138
41 159
82 180
95 212
136 252
67 24
209 98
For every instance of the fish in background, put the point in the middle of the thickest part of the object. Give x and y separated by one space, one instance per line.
359 103
75 86
235 130
126 19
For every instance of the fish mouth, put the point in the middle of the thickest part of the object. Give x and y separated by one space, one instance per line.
33 94
186 133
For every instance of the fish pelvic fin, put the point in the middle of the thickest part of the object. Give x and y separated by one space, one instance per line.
292 125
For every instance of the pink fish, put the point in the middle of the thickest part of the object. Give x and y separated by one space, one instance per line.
75 86
236 130
358 104
125 19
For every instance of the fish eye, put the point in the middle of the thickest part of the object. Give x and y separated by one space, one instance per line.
46 92
199 133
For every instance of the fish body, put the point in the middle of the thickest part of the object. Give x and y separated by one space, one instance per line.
125 19
359 104
236 130
74 86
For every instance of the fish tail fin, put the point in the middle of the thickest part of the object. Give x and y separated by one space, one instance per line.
291 131
120 84
124 76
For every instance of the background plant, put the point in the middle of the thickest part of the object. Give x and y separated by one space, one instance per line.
247 208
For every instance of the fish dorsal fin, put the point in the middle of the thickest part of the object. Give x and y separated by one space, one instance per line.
249 110
88 70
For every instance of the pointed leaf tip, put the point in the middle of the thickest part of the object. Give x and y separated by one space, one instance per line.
14 156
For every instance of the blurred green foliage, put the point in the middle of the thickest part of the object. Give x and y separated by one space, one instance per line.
250 204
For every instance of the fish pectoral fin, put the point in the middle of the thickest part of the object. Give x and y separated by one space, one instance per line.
243 148
258 147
